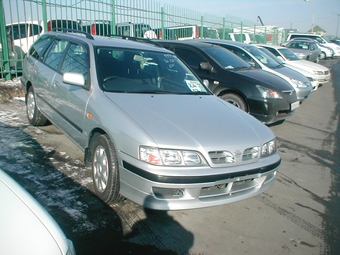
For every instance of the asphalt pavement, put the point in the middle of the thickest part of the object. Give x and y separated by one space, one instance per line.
299 215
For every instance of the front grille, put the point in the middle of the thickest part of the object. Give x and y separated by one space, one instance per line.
222 157
227 157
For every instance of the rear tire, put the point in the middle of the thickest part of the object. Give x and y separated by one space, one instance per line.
105 170
34 116
235 100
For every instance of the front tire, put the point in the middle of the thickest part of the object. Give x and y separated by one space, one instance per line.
235 100
34 116
105 170
322 55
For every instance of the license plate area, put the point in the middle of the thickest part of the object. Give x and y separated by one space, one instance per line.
294 105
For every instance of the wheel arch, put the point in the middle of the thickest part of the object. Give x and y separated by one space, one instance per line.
233 91
88 150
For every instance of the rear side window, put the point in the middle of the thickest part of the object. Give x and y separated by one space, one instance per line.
35 29
18 31
38 48
52 24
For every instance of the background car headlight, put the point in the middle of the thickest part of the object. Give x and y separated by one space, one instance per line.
268 93
311 79
167 157
298 84
268 148
301 55
318 72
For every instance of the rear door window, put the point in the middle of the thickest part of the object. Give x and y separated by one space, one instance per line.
55 53
76 60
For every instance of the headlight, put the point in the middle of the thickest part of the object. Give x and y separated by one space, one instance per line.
318 72
298 84
267 93
311 79
301 55
268 148
166 157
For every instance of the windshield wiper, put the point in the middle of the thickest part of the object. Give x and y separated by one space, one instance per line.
154 91
242 68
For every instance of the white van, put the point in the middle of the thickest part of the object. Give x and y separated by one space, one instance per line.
318 38
245 37
26 32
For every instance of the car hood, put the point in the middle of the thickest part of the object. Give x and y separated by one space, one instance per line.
290 73
23 218
310 64
305 70
271 80
202 123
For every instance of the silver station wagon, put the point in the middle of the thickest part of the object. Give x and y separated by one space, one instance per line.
150 129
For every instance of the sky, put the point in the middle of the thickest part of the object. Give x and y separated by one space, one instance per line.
296 14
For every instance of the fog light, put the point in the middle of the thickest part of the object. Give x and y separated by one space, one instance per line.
165 193
178 193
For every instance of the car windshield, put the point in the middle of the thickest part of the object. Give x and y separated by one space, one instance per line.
279 61
227 59
133 71
289 54
262 57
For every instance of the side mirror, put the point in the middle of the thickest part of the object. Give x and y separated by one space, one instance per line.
206 66
206 82
76 79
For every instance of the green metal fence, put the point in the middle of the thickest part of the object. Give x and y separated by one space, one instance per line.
22 21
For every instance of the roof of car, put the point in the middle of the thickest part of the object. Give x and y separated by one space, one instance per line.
130 43
271 46
194 42
226 42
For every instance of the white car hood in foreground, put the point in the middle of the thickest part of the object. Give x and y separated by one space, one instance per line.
189 121
25 226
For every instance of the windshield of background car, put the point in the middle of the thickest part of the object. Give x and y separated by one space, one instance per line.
135 71
289 54
279 61
262 57
226 59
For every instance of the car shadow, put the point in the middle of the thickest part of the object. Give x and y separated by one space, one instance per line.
93 226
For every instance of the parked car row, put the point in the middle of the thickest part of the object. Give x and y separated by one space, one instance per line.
312 47
149 123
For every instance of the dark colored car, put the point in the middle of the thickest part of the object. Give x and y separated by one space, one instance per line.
266 96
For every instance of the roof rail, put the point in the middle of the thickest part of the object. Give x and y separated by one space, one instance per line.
137 39
65 30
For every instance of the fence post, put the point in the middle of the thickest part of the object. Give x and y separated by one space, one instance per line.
5 65
162 24
223 34
44 14
201 29
241 37
113 17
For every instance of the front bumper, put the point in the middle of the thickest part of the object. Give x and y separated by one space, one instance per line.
303 93
172 192
271 110
324 78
